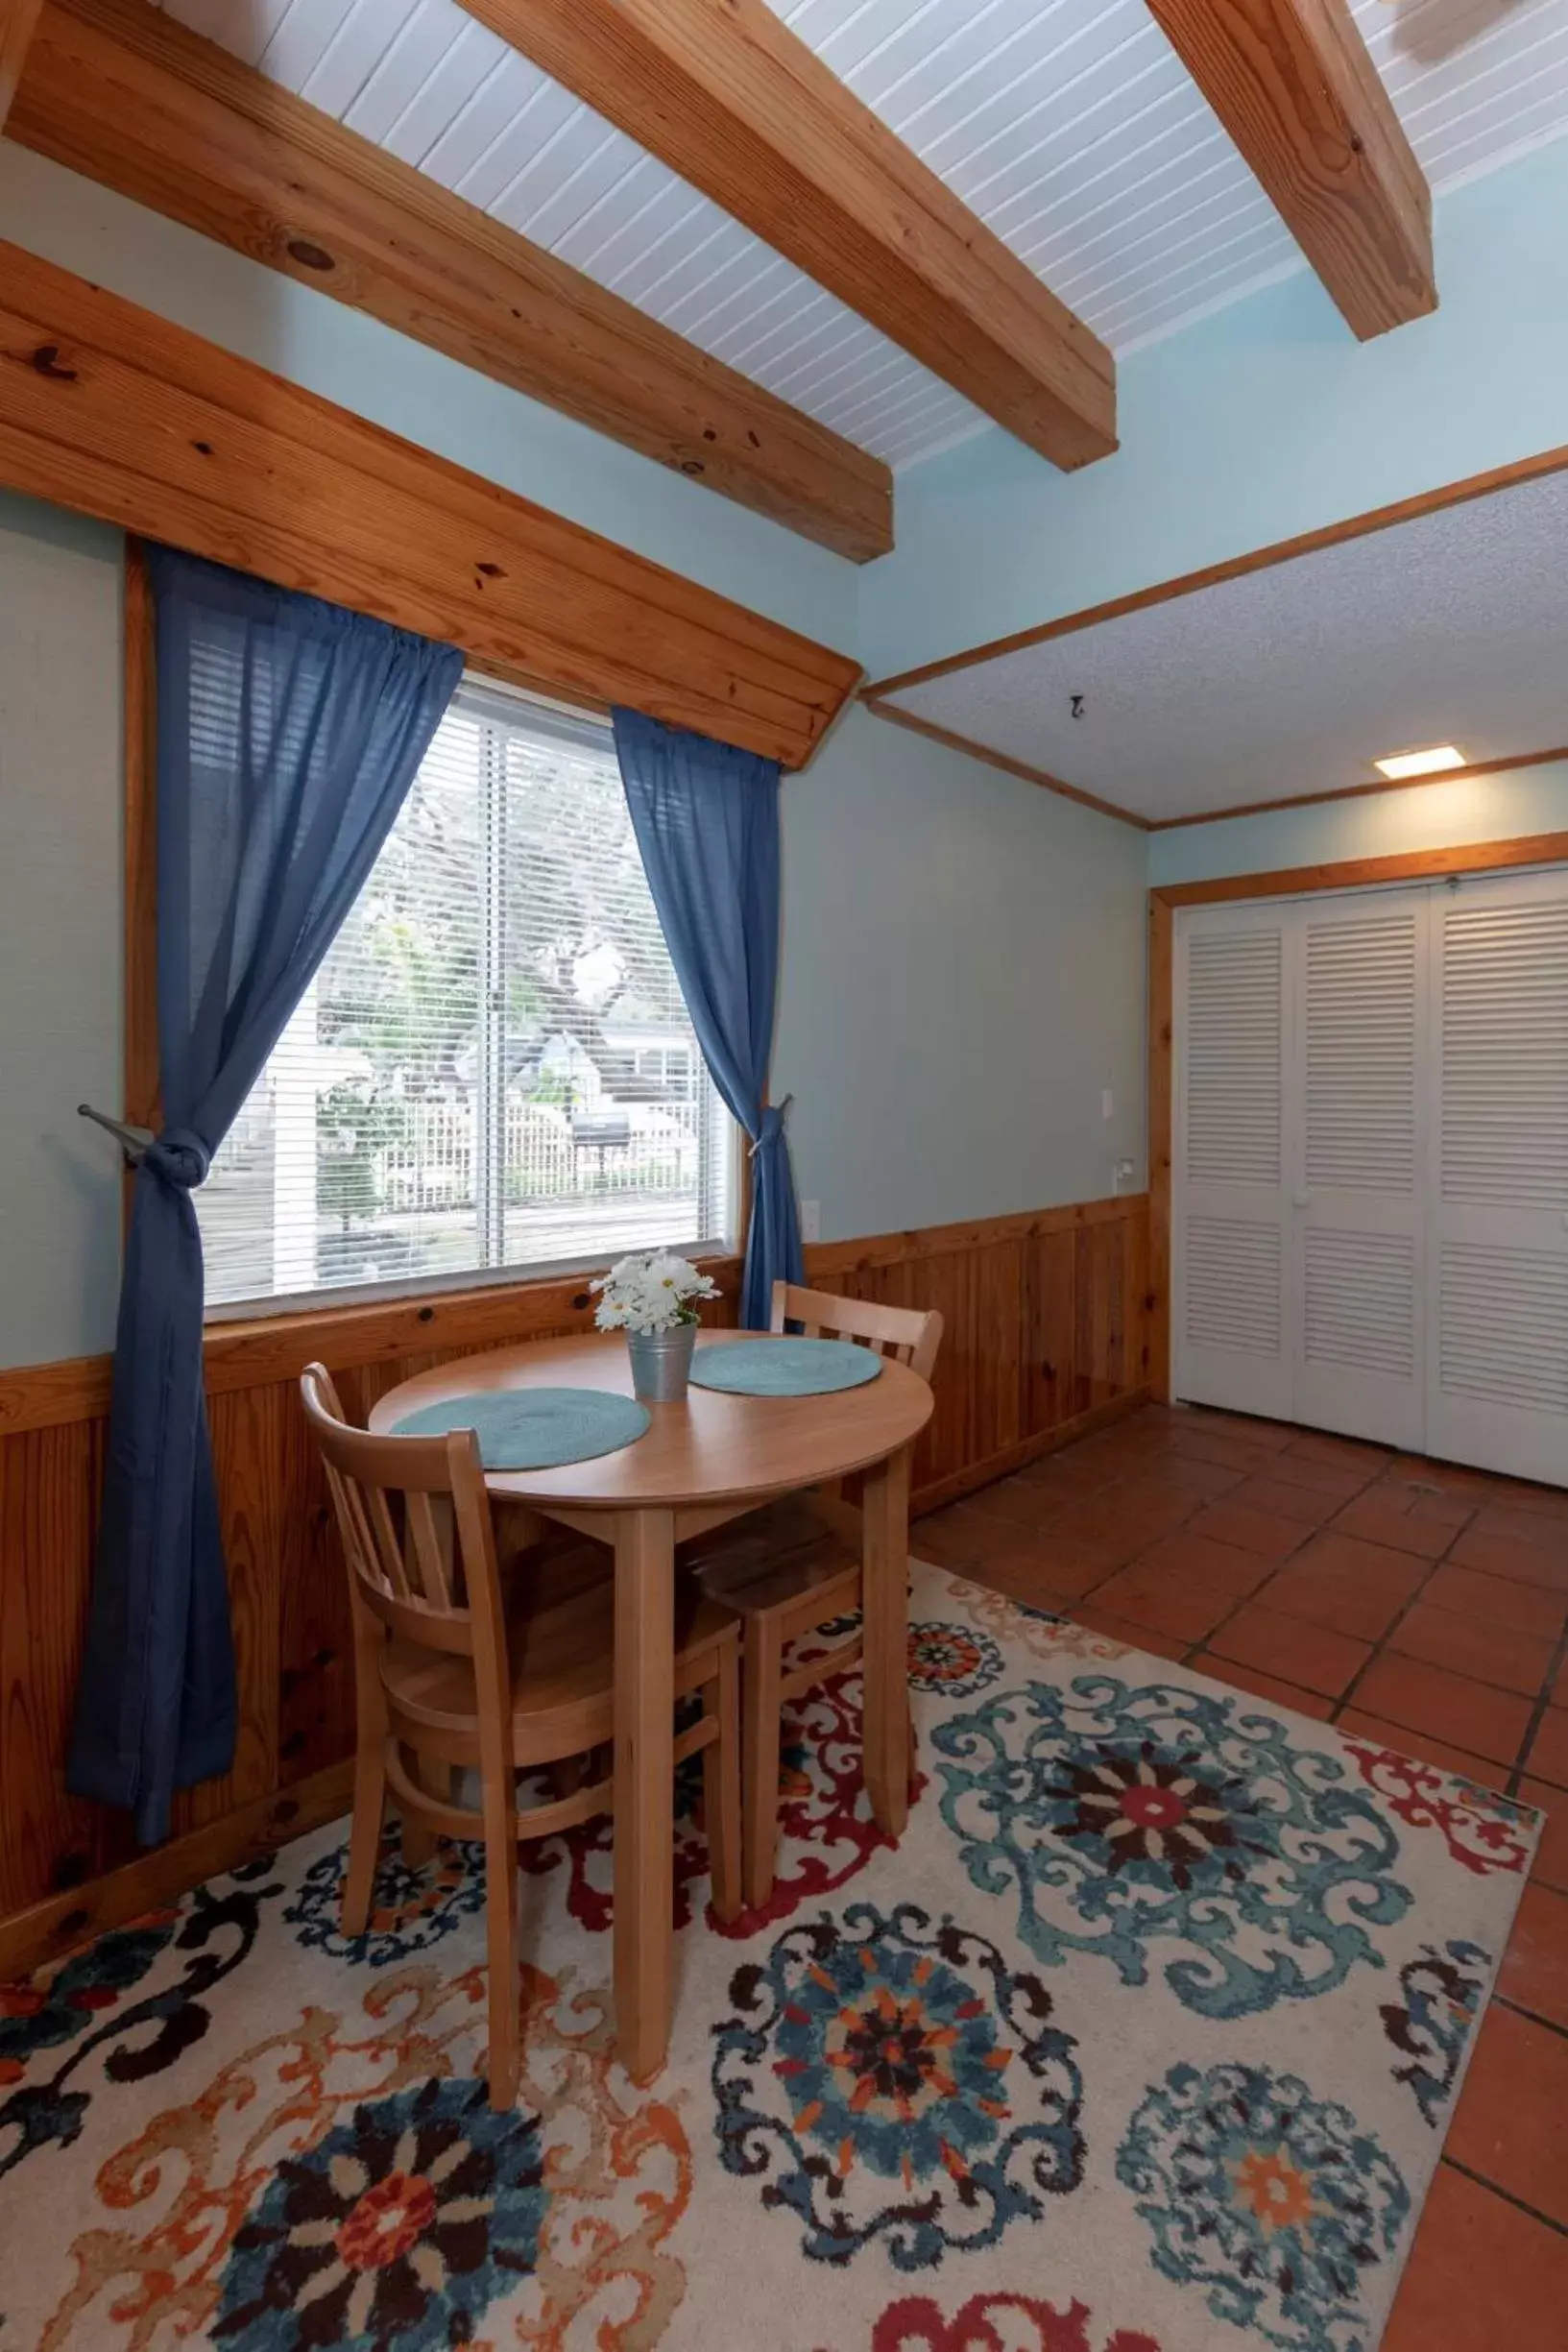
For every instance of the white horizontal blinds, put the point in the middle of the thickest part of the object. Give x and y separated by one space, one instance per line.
594 1017
1230 1308
493 1067
1235 993
322 1181
1355 1193
1499 1386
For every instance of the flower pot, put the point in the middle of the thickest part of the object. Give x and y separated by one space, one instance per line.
662 1363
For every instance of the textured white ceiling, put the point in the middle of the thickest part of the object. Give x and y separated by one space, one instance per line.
1070 125
1291 681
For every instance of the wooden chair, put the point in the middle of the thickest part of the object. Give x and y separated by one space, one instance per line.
448 1677
793 1566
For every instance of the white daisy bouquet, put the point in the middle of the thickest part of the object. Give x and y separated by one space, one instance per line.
651 1291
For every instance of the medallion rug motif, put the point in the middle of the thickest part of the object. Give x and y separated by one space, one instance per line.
1144 2040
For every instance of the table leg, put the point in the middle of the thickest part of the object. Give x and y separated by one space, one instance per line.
644 1867
885 1640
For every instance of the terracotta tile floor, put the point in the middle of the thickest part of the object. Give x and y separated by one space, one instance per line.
1406 1598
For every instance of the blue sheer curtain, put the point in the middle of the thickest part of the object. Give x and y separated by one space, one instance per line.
707 822
289 734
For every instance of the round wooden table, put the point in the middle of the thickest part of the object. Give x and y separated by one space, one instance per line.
701 1463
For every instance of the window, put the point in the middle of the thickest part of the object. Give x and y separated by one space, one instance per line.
493 1067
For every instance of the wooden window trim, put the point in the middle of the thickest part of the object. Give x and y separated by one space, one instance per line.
495 1308
1286 881
113 411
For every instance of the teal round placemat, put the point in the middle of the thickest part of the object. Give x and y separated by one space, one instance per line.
534 1429
784 1368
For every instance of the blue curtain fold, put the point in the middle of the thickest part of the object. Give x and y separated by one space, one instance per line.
706 818
289 734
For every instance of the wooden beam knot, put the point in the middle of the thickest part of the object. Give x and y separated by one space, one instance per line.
121 93
1295 85
46 362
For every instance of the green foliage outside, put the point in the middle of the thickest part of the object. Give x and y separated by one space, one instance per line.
577 945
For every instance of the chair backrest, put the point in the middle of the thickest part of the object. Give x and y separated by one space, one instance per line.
911 1334
416 1526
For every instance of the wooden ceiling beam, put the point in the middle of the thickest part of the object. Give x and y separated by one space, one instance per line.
111 411
1294 84
124 94
724 93
18 20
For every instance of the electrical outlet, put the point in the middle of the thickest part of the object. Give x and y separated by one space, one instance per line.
810 1221
1107 1105
1122 1173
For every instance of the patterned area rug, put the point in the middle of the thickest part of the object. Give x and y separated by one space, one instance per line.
1143 2041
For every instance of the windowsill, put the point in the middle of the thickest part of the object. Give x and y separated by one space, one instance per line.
246 1313
241 1350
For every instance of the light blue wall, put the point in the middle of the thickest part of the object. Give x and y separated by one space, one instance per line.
431 399
62 858
963 961
1265 421
963 981
61 766
961 958
1424 816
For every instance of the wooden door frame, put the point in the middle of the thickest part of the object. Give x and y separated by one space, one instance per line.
1289 881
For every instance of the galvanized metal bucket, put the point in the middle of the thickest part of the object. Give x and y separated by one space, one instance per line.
662 1363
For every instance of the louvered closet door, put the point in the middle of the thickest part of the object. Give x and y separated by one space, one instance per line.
1357 1271
1498 1278
1232 1342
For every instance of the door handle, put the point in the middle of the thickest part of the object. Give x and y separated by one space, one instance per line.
1301 1200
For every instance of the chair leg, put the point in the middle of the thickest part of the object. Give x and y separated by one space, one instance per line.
763 1705
370 1768
499 1807
914 1757
721 1785
419 1843
365 1834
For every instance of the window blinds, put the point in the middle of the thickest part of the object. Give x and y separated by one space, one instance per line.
493 1067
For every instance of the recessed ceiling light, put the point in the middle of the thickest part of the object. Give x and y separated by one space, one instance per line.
1401 766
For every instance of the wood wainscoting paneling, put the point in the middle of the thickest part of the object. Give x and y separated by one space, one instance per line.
1046 1329
1046 1334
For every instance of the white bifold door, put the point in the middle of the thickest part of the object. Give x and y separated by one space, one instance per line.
1370 1205
1497 1371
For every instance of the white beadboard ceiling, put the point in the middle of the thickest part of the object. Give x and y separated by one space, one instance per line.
1291 681
1069 126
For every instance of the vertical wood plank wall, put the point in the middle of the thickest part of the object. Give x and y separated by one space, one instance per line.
1046 1332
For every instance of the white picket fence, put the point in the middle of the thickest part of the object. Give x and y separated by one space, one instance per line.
434 1166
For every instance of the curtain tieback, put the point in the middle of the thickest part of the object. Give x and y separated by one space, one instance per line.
772 1127
180 1157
